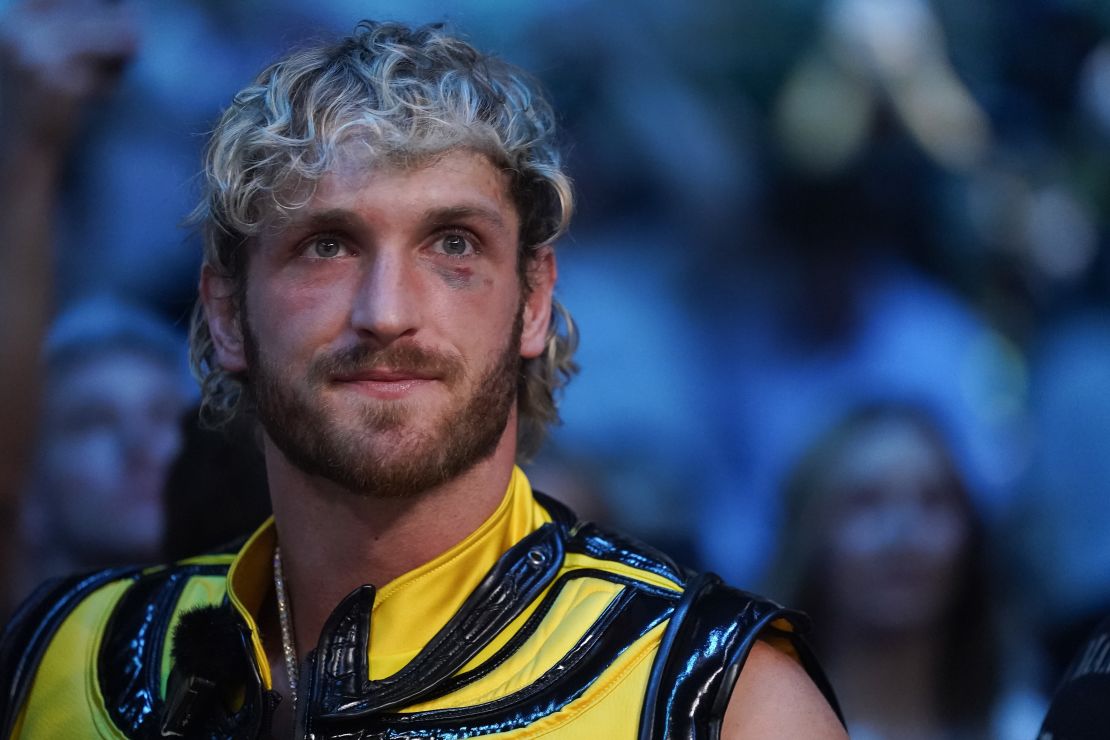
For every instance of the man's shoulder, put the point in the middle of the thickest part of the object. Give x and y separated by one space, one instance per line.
710 627
32 629
135 587
114 617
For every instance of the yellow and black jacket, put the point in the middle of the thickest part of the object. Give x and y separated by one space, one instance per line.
535 625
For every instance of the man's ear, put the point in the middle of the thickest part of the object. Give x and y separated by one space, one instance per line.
542 272
217 293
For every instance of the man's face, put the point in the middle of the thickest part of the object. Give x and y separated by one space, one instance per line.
382 333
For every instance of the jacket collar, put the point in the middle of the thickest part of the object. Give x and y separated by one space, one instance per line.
435 590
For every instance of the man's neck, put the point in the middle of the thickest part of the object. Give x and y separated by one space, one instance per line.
333 541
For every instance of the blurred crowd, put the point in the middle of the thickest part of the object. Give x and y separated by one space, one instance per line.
842 279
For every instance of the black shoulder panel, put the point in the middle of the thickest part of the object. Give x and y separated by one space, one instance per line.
32 627
590 539
604 544
701 654
129 665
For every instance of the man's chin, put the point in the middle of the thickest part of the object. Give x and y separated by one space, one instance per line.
392 462
393 480
397 463
354 414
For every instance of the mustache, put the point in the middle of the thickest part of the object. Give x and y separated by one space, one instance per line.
360 358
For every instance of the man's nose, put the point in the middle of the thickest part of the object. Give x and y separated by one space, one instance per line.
386 302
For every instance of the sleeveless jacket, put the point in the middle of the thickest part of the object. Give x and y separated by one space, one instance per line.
572 618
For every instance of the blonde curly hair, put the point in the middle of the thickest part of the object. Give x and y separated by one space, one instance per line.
405 94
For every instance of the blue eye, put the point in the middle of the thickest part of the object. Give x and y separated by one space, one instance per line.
326 248
455 245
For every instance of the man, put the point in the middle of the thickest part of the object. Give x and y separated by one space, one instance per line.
378 290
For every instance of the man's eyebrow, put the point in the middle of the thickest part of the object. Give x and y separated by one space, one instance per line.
329 218
342 218
448 214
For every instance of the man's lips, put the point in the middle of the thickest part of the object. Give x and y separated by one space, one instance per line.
384 376
385 383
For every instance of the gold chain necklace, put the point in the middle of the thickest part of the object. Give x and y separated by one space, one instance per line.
285 617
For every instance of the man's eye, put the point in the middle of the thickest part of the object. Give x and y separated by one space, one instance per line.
326 248
455 245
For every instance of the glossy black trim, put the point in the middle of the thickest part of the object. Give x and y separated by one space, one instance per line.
129 664
559 512
32 627
651 706
538 615
519 576
339 665
599 542
627 619
701 656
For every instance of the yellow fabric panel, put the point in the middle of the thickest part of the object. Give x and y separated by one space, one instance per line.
610 708
437 589
199 591
17 730
249 579
575 560
575 610
224 559
572 561
499 640
65 700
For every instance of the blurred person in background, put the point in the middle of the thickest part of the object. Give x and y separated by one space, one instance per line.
54 57
882 546
115 387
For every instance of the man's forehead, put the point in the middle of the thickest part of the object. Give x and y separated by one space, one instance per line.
454 184
355 161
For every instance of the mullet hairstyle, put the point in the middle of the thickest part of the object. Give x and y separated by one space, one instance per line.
404 95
